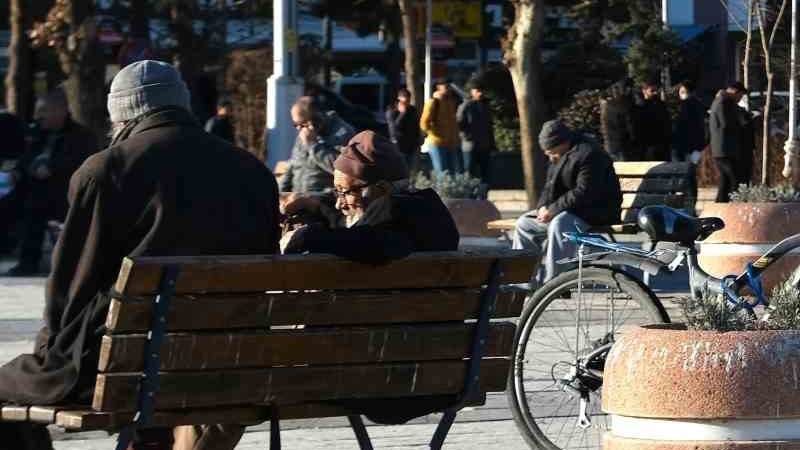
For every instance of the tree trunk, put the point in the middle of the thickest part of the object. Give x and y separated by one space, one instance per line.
85 71
19 90
411 59
140 26
748 46
765 159
522 55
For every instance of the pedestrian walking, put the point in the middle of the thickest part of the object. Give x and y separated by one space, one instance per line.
403 120
689 135
438 121
652 125
477 132
726 129
616 122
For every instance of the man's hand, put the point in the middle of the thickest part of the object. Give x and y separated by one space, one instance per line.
286 240
543 215
296 203
308 135
41 173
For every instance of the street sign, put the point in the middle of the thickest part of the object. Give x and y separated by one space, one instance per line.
463 19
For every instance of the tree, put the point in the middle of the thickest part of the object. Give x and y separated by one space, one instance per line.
411 52
70 30
522 55
768 15
20 60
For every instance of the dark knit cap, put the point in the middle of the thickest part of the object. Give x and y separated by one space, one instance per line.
371 157
553 134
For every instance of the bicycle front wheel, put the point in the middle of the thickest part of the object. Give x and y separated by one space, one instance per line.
562 323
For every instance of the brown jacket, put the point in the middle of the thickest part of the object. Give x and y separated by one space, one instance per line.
165 187
438 121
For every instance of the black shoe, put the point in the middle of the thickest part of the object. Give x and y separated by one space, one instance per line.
22 270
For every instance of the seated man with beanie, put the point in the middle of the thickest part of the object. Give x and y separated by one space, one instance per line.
373 215
148 194
581 191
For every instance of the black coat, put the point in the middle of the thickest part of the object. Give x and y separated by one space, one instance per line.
404 128
221 126
652 130
12 131
583 182
164 187
725 127
690 127
421 223
475 126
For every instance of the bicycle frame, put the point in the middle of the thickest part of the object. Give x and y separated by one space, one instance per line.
699 280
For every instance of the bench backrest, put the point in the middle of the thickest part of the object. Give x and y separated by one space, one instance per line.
655 183
286 330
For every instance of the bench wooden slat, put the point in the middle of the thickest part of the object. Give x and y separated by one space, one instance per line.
654 185
651 168
202 312
88 420
230 274
289 385
226 350
14 413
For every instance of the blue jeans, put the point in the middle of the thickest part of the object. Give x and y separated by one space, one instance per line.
446 159
548 239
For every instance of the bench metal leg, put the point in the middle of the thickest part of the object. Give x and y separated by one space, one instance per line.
274 429
364 443
443 428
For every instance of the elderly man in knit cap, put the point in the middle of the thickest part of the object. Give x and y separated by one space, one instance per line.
372 216
163 187
581 191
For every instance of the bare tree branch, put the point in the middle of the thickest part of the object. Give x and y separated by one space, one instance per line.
730 14
777 22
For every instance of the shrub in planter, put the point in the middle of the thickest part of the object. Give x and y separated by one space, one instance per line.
465 198
721 381
757 218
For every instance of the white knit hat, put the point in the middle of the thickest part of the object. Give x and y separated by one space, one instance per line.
143 86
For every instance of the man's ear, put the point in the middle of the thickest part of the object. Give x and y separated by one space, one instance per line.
377 190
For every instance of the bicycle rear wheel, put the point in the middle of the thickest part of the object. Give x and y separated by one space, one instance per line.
557 328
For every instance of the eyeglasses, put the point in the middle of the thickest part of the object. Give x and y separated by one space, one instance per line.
352 191
301 125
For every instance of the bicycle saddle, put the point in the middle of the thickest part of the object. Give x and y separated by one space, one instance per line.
665 224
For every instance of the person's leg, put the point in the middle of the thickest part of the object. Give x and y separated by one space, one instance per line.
159 438
529 233
12 209
484 166
207 437
558 248
727 179
437 158
468 161
456 160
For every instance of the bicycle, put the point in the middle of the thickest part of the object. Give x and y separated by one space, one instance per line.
568 325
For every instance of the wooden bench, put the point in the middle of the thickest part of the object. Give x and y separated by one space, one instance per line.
643 184
249 339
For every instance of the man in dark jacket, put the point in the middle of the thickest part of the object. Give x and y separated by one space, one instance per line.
403 121
319 136
582 190
689 136
221 124
41 178
139 197
477 133
652 125
725 126
372 217
13 131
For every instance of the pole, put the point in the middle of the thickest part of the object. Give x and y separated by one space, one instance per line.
282 86
791 146
666 81
428 55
